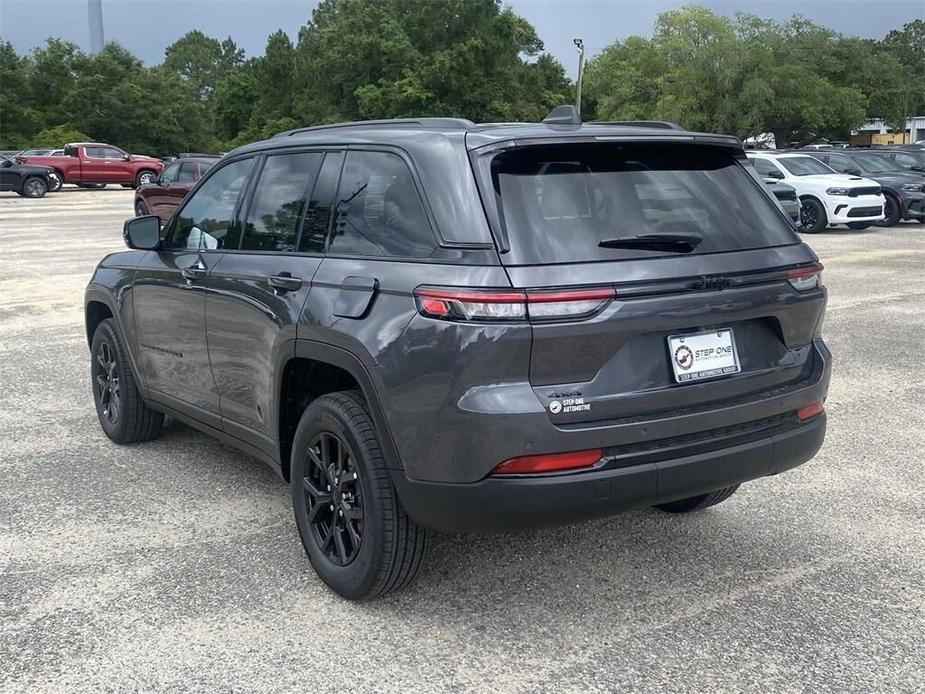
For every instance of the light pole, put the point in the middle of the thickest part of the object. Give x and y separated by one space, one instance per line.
580 45
95 20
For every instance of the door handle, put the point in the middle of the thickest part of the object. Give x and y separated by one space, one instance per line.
194 272
284 282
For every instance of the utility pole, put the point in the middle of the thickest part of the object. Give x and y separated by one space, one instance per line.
95 20
580 45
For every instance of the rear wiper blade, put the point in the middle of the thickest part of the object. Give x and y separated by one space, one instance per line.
671 243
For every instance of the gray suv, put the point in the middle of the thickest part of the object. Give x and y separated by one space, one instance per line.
436 325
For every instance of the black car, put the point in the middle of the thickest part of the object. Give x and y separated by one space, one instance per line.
433 324
27 181
903 191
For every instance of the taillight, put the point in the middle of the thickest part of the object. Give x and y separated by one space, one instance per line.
553 462
805 278
511 304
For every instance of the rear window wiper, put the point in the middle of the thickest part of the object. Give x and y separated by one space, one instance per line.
670 243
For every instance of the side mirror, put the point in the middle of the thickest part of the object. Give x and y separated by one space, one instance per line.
70 151
5 164
853 172
775 175
142 233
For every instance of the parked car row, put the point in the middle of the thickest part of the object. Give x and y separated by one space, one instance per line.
855 187
97 163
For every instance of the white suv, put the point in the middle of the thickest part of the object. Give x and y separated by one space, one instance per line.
826 197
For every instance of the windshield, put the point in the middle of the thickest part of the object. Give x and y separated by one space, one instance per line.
906 161
876 163
560 202
805 166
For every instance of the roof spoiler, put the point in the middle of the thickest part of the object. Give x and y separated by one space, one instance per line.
563 115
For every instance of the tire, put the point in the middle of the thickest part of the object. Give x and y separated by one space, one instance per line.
56 180
892 210
812 215
34 187
144 177
141 209
123 415
699 502
367 546
858 226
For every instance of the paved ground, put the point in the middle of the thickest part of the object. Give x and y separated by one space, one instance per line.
175 565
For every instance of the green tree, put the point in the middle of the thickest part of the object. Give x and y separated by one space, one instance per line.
202 60
57 136
397 58
747 76
17 119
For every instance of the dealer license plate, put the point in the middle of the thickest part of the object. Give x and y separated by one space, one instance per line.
703 355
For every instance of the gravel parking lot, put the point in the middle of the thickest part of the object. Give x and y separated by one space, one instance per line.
176 566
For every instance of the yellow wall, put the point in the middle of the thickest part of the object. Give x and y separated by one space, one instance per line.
879 139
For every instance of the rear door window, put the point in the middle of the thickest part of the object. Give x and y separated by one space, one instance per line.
378 210
279 201
559 202
187 172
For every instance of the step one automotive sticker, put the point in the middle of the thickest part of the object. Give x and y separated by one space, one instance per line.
569 405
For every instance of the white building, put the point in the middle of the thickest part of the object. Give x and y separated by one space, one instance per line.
876 132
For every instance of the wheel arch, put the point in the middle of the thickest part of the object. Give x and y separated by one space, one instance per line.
316 369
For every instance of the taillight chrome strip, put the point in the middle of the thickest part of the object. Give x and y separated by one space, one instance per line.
511 304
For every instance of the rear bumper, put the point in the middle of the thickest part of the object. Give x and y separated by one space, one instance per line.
501 503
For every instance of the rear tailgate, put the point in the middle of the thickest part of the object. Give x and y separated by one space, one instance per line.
557 202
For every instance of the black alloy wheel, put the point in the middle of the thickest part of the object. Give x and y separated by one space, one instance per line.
106 381
34 187
334 498
812 216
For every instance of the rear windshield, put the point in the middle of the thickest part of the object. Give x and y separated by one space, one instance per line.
559 202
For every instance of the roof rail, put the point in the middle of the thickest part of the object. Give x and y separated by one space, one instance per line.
437 123
663 124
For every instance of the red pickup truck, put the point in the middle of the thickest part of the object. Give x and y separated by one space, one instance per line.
95 162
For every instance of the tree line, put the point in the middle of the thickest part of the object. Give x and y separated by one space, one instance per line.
356 59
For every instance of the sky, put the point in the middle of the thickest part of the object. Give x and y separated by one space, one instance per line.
147 27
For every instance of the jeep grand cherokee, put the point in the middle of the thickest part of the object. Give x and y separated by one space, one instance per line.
432 324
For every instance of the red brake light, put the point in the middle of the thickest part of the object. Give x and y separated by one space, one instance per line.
553 462
810 410
510 304
805 278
